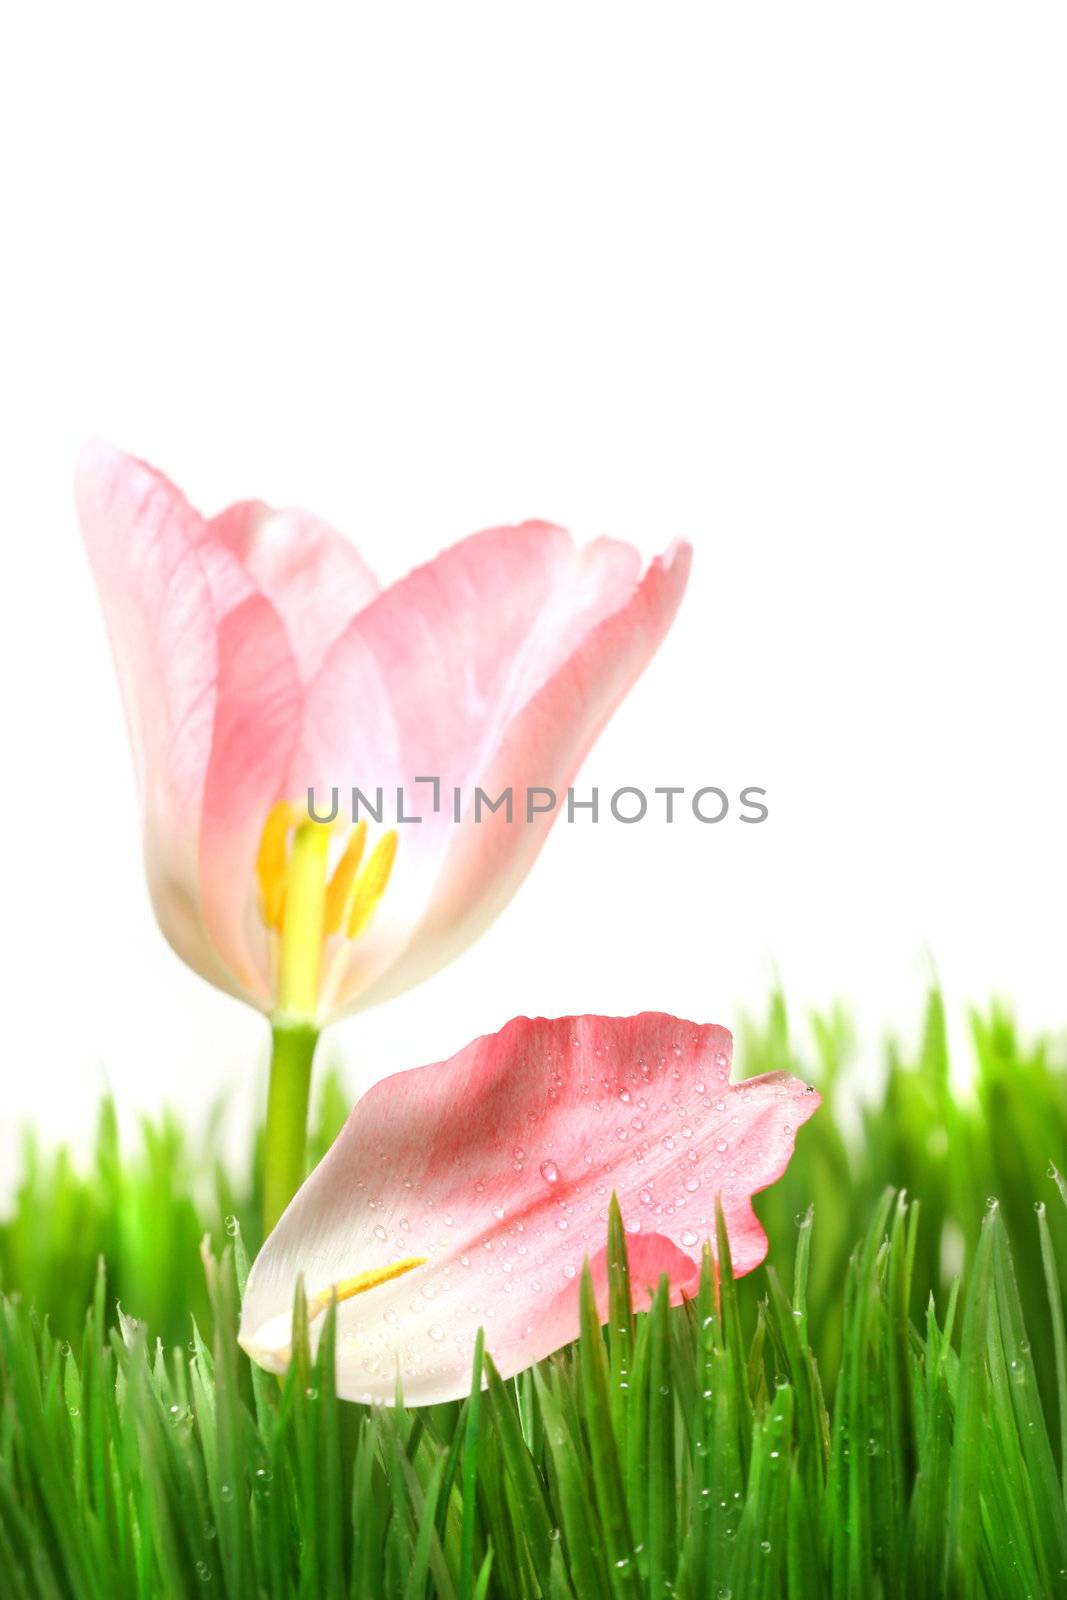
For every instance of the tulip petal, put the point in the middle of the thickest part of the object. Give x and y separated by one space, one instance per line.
545 745
164 591
312 576
496 664
497 1167
257 719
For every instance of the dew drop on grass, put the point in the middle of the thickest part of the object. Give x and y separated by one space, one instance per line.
233 1227
203 1572
226 1492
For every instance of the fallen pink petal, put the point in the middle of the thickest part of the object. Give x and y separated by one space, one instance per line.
469 1194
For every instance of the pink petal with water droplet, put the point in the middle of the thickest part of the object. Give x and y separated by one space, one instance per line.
426 1166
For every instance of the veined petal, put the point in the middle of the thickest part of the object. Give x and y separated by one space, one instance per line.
497 1167
313 577
163 594
496 664
544 744
257 723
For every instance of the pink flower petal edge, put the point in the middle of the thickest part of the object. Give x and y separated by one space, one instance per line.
497 1168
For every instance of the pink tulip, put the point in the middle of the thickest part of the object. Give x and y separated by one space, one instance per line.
259 658
469 1194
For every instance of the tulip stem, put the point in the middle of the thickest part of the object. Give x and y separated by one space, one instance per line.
285 1146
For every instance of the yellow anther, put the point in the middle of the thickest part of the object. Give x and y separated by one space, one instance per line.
305 904
341 886
371 884
349 1287
271 862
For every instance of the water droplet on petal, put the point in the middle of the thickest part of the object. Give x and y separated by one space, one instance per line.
549 1171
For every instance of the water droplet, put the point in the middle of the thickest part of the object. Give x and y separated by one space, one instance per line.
765 1546
74 1411
436 1332
226 1492
624 1096
690 1238
233 1227
203 1572
549 1171
379 1231
692 1183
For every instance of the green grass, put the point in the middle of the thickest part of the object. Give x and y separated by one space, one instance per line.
879 1411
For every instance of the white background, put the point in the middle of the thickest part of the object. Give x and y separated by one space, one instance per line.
787 281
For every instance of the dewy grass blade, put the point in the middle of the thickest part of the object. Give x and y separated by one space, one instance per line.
620 1324
470 1475
660 1538
603 1448
1059 1339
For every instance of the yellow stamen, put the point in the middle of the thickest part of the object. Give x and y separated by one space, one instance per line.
271 862
349 1287
303 910
340 890
372 884
302 925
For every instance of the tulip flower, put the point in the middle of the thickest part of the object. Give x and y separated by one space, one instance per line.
469 1194
259 661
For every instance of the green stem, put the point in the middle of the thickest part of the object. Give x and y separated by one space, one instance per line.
285 1148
